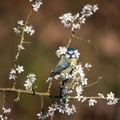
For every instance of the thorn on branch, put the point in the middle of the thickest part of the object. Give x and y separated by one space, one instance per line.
33 90
18 98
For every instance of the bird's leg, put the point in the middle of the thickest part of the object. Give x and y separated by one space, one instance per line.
63 90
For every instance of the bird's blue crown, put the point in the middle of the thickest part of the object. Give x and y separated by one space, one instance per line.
70 49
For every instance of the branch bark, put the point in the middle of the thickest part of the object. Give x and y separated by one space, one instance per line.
23 92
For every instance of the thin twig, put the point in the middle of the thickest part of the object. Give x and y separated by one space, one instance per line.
92 84
95 97
77 37
49 86
21 43
71 38
51 115
23 91
3 99
39 94
42 102
22 36
18 97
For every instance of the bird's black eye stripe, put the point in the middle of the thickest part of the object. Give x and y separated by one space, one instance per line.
70 54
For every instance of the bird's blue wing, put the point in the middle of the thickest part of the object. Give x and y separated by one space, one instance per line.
62 64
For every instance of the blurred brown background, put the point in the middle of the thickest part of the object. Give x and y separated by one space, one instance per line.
102 29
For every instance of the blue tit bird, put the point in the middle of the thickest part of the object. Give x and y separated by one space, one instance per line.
65 64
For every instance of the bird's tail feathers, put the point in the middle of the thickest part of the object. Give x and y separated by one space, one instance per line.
49 78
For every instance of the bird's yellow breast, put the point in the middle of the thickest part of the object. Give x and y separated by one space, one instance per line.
73 62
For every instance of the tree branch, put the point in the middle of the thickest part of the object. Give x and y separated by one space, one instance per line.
23 92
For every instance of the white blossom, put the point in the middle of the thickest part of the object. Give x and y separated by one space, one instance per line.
110 96
61 51
42 115
67 19
19 69
51 111
16 30
88 10
82 19
75 76
12 76
79 97
13 71
20 22
28 85
65 76
3 116
78 74
29 30
77 54
31 77
95 8
73 108
36 5
32 32
76 26
6 110
76 16
79 89
29 82
57 77
79 68
70 110
84 99
111 100
92 102
60 108
101 95
84 81
88 65
75 21
20 47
